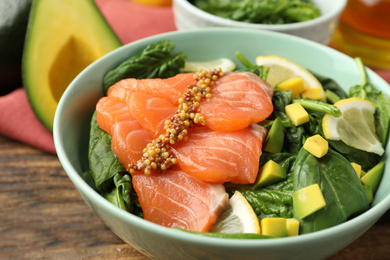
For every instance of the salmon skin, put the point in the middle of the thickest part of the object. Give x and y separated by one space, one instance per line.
227 149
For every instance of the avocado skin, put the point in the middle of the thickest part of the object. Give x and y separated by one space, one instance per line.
14 16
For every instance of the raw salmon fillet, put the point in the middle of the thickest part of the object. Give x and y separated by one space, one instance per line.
176 199
172 88
238 99
221 157
129 138
151 112
109 111
191 195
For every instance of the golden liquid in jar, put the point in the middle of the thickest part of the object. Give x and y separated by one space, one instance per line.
364 31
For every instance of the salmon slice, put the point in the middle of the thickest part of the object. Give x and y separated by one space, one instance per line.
176 199
129 139
170 88
151 112
109 111
221 157
238 99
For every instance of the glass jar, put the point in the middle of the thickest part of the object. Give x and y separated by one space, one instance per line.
364 31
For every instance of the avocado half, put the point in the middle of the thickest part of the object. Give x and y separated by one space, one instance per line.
63 37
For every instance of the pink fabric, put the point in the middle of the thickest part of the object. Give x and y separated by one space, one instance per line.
18 121
130 21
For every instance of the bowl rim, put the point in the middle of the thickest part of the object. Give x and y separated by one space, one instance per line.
334 12
373 214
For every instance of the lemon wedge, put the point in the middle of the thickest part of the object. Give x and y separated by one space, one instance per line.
239 217
356 126
225 64
281 69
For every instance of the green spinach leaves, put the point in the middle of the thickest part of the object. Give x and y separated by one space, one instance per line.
261 11
103 164
154 61
344 194
274 200
110 177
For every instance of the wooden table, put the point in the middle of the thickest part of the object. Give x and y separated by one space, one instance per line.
42 216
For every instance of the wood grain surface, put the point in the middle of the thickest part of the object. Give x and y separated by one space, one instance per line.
42 215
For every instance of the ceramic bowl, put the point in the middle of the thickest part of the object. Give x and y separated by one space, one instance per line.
71 132
321 29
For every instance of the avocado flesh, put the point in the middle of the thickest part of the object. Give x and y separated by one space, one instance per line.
63 37
275 137
373 177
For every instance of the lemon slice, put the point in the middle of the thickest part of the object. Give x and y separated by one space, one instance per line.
356 126
239 217
225 64
281 68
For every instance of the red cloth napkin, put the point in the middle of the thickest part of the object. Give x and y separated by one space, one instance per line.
131 22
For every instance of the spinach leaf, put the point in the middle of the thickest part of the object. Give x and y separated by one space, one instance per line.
281 99
155 61
103 163
341 187
294 136
120 195
273 200
363 158
314 126
330 84
382 101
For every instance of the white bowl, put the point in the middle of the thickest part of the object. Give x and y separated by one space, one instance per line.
188 16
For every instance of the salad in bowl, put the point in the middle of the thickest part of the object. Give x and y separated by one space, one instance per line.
247 146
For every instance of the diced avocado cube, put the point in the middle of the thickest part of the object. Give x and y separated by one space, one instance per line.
274 227
308 200
294 84
297 114
275 138
312 93
270 173
316 145
357 168
292 227
374 176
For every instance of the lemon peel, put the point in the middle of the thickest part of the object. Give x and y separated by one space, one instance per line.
356 126
281 68
239 217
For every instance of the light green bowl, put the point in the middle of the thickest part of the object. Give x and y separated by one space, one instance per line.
71 130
